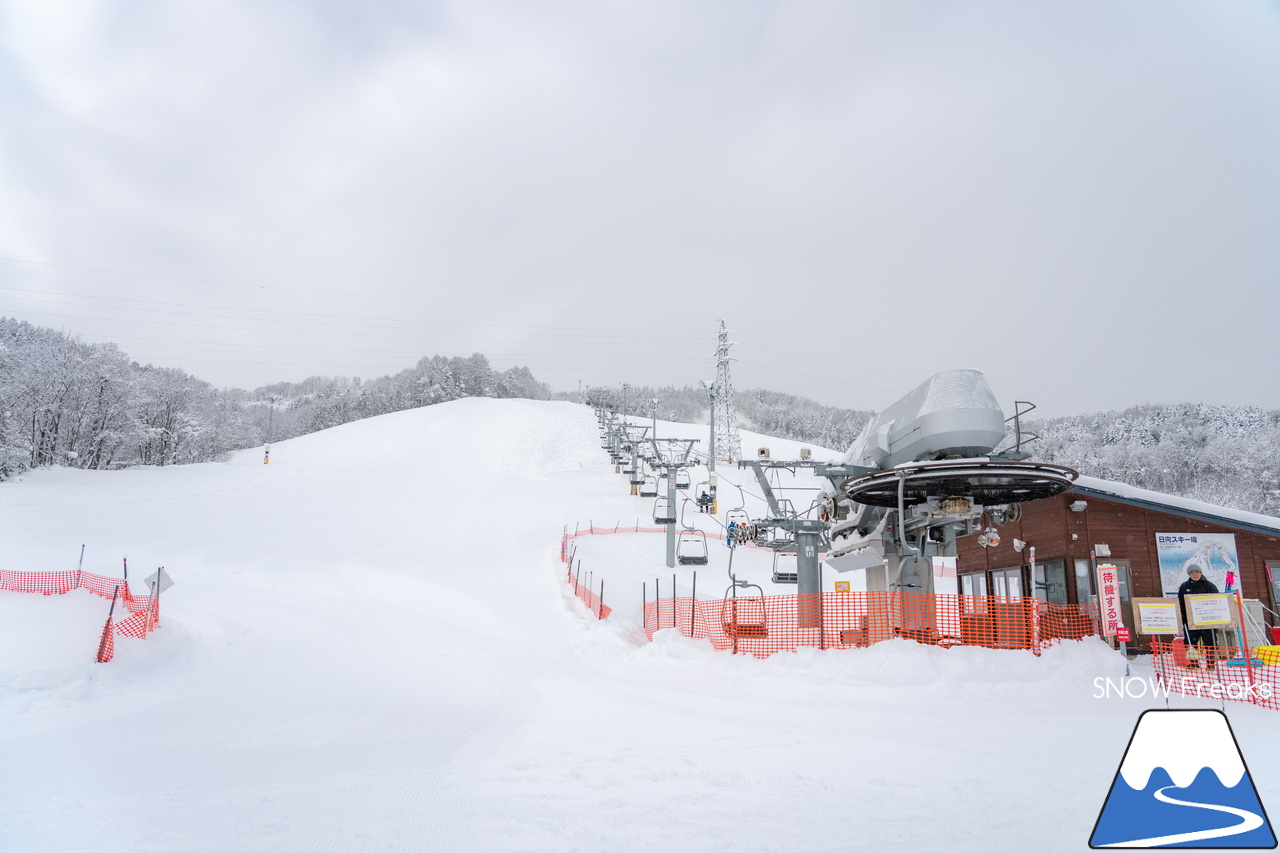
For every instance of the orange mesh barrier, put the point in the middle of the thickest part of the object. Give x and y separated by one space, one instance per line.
144 610
763 625
589 597
1222 673
592 530
48 583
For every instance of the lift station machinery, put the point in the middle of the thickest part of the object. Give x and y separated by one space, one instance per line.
921 474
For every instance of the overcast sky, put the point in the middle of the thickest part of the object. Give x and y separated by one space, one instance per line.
1080 199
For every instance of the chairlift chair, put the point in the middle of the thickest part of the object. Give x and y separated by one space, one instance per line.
783 576
745 617
663 512
649 487
736 516
682 479
691 550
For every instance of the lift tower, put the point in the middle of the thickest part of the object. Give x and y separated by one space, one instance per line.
809 535
672 455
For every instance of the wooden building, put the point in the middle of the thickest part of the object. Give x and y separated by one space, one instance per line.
1120 524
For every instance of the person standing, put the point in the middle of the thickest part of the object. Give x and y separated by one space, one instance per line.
1197 584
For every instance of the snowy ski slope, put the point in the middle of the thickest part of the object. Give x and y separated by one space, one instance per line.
370 647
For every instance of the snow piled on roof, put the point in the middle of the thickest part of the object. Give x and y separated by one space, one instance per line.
1124 490
958 389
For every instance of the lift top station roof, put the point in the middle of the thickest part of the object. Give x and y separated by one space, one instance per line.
937 441
952 414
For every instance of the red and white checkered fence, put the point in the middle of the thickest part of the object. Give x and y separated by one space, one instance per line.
144 610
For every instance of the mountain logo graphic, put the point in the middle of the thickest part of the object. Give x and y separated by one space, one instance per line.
1183 783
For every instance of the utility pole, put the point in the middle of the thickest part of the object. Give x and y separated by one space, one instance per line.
711 459
271 418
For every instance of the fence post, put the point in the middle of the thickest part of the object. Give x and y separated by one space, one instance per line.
657 605
601 598
106 646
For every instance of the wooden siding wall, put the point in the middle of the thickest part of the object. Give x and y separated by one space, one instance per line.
1129 531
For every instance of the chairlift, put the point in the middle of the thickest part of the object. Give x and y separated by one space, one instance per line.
682 478
784 576
691 550
663 512
745 617
649 487
637 476
706 496
736 516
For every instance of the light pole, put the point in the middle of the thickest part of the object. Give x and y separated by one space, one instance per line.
711 396
271 417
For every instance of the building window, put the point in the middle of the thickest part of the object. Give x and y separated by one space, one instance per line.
1051 582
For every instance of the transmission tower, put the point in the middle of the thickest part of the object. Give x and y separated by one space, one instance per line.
728 442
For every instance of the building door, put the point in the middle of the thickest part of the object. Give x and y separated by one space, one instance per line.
1084 583
1273 581
1007 582
973 586
1051 582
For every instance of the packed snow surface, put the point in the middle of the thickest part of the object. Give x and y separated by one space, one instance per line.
370 646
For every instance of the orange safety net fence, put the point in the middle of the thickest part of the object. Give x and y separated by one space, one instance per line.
764 625
144 610
592 530
594 600
1219 673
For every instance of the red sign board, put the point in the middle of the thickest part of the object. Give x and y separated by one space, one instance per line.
1109 599
1122 634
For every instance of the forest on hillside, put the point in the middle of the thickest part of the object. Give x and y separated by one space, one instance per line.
66 402
1225 455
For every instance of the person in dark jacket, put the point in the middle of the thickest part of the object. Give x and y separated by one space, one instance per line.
1198 584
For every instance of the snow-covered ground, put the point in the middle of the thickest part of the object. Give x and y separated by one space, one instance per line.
370 646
